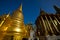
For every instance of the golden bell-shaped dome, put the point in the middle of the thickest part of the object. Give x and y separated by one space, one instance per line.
16 30
17 27
17 20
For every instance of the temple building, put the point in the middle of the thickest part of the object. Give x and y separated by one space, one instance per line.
28 27
12 27
48 24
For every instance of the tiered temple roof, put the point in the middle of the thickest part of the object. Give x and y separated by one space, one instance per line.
48 24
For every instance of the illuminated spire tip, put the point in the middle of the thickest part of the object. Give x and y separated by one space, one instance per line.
20 8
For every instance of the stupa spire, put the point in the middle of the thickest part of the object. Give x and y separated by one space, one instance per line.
20 8
17 27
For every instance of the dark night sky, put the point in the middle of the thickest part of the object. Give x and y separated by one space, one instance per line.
31 8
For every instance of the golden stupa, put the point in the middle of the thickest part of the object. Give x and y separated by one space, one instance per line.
13 27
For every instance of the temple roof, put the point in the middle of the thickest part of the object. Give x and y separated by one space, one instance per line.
57 9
